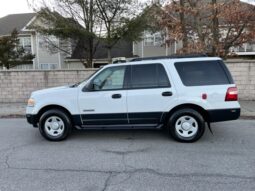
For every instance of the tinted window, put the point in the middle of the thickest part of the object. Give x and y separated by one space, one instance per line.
110 79
202 73
163 80
149 76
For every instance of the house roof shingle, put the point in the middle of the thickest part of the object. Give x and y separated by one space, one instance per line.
18 21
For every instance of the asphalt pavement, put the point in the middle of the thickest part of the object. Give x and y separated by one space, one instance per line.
127 160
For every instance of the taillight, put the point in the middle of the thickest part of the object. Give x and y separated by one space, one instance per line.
232 94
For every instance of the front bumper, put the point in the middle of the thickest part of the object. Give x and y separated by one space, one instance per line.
32 119
224 115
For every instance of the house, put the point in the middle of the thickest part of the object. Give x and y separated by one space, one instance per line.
33 42
160 44
122 49
47 55
153 44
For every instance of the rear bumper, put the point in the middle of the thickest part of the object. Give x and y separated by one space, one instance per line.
32 119
224 114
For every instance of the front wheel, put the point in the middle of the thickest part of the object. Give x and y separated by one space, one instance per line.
55 125
186 125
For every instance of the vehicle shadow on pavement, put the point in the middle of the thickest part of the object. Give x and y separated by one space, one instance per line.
142 135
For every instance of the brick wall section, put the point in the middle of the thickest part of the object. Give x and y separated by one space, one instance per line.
16 86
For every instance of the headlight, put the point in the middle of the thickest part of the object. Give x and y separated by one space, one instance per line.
31 102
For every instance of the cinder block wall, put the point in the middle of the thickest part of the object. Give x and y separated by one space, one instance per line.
244 76
16 86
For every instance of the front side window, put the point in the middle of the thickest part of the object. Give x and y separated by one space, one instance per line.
149 76
109 79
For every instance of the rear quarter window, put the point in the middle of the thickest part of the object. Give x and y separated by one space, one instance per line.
203 73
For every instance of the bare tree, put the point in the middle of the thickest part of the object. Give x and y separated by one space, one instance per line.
212 26
121 19
74 20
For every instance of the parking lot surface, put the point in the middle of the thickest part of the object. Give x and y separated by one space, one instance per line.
127 160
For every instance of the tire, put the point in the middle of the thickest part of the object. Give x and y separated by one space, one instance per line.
55 125
186 125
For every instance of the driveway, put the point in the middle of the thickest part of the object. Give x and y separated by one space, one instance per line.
127 160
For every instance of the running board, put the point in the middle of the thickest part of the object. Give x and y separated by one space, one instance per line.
120 127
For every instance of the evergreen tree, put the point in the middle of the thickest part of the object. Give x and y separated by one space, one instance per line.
11 53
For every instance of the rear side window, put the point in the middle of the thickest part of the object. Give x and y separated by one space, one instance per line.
149 76
203 73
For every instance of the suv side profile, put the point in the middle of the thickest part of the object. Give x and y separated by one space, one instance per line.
181 95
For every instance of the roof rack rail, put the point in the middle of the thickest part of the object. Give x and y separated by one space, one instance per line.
169 57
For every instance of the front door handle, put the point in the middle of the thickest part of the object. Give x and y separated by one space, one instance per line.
116 96
165 94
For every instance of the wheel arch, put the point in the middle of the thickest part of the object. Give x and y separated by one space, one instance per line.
53 106
197 108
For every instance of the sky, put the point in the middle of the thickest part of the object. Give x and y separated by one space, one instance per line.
249 1
21 6
14 6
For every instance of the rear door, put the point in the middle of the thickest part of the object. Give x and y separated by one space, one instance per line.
148 94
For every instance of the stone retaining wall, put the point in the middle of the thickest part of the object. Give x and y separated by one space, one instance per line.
16 86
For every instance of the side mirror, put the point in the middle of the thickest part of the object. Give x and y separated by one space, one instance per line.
96 84
93 86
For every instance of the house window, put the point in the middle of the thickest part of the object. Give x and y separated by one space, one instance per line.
49 66
25 42
149 40
158 40
153 39
246 47
250 47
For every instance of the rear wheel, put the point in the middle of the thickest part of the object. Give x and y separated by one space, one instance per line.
186 125
55 125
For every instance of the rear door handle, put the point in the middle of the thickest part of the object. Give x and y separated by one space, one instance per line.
116 96
165 94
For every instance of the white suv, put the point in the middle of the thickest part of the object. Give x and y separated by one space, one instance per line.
178 94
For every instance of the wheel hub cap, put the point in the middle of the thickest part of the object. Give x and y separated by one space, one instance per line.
186 126
55 126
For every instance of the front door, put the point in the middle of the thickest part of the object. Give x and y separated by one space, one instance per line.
103 102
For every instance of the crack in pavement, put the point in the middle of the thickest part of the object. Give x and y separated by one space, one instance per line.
16 147
6 161
141 170
107 181
127 152
129 171
9 151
